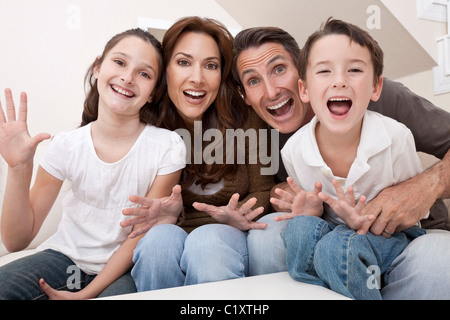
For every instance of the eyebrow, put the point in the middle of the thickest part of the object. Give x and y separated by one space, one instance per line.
192 57
350 61
274 59
129 57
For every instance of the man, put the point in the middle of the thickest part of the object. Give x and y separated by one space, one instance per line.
266 69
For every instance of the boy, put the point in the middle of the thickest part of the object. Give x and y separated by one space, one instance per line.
345 145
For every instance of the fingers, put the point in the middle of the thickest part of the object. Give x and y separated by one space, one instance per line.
204 207
10 109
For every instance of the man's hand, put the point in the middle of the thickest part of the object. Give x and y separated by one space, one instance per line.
402 206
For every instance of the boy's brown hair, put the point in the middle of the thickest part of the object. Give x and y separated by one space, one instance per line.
356 34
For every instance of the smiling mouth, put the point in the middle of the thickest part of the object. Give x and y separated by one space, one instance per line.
339 106
122 91
195 95
282 108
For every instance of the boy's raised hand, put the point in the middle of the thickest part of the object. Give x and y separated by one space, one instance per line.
17 147
346 208
297 201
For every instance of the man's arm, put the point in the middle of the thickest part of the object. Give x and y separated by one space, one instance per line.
401 206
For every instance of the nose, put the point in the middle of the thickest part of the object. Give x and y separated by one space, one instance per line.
127 76
196 75
339 81
272 89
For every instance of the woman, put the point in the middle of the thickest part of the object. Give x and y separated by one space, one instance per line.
201 95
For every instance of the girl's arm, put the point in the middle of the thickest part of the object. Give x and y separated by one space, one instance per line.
23 211
121 261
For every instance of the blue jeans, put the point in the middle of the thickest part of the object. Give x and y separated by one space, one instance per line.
19 279
419 272
338 258
169 257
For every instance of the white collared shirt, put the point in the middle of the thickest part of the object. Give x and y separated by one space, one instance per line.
386 156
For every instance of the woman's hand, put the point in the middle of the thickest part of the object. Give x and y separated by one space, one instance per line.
238 217
153 211
297 202
53 294
345 207
17 147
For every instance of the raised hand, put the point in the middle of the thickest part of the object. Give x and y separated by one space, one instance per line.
345 207
297 201
17 147
238 217
153 211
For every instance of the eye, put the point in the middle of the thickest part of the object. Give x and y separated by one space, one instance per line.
119 62
324 71
183 62
145 75
212 66
279 69
252 82
355 70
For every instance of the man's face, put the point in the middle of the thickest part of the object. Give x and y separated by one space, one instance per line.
270 79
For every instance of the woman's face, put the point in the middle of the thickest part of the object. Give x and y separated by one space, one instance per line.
194 75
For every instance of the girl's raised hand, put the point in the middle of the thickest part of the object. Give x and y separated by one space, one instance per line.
17 147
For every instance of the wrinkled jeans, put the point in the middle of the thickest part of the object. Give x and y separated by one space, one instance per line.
338 258
419 272
19 279
168 257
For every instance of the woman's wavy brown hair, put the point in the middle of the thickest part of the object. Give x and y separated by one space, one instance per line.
148 111
226 112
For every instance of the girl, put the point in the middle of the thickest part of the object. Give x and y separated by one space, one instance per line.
113 155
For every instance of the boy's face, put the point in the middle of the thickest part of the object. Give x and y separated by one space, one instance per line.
339 82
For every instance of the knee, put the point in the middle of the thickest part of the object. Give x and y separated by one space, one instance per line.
303 229
160 242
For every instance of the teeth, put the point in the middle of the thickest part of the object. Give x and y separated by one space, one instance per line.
195 93
123 91
339 99
278 105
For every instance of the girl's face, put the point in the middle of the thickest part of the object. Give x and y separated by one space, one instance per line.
193 75
127 77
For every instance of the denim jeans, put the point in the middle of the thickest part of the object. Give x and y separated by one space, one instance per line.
420 272
19 279
338 258
169 257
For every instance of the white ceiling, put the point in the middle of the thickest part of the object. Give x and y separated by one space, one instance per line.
403 54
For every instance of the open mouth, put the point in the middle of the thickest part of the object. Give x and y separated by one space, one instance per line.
339 106
194 95
122 91
282 108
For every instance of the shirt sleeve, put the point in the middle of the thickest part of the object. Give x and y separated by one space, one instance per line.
53 160
429 124
174 157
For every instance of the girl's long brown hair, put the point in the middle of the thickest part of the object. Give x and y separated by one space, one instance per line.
148 111
226 112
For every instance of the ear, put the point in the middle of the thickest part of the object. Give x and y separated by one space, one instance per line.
304 96
150 99
96 69
377 90
243 96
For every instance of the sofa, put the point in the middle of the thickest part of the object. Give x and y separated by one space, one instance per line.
267 287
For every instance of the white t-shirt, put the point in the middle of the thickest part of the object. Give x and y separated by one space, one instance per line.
89 232
386 156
